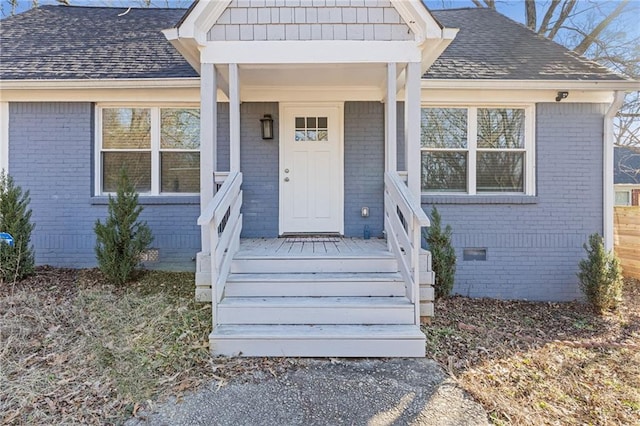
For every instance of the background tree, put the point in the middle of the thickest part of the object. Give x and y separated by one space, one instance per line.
604 31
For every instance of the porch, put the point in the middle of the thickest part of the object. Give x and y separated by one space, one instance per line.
321 295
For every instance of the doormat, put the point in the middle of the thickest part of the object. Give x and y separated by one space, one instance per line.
312 239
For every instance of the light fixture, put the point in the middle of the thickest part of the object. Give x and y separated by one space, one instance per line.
365 212
561 96
267 126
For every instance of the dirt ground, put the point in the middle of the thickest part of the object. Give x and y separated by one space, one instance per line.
543 363
76 350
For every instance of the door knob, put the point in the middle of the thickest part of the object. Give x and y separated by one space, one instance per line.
286 170
286 179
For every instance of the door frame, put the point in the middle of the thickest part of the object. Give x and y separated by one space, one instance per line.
285 108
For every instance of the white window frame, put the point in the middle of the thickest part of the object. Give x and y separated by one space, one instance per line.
155 114
472 146
629 197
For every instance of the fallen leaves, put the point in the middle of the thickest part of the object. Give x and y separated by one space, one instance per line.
543 363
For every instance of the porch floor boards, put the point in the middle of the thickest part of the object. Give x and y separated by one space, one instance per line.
311 247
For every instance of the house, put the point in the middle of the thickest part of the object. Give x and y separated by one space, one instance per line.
268 138
626 176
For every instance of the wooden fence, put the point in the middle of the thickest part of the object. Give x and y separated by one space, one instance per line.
627 239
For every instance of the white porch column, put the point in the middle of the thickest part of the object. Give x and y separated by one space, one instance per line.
208 143
412 127
234 118
391 145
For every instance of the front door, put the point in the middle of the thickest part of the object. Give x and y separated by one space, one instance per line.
311 169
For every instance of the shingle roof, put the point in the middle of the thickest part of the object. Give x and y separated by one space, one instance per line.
59 42
491 46
626 165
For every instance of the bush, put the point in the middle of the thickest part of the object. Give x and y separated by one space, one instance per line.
16 261
600 275
442 254
122 239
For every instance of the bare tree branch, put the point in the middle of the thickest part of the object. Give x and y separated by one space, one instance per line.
544 26
567 7
530 14
589 39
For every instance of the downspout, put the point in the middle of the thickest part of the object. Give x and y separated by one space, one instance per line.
607 190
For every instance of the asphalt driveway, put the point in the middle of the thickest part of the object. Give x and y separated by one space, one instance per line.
329 392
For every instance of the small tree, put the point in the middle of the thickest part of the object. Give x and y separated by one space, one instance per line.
16 261
600 275
442 254
122 238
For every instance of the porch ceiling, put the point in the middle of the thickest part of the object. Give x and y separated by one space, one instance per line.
342 81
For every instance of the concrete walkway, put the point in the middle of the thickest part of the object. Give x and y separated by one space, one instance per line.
321 392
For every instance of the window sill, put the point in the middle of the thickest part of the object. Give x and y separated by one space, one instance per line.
148 200
479 199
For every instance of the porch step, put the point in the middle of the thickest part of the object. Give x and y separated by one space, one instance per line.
318 340
250 264
315 310
315 284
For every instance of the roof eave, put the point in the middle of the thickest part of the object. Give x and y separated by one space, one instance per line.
603 85
107 83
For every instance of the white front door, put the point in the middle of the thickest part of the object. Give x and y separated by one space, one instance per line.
311 169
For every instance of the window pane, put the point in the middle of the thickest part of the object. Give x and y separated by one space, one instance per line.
500 172
180 172
622 198
126 128
444 171
444 128
500 128
137 165
180 128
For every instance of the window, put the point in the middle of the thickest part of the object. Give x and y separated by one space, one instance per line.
477 150
159 148
311 129
623 198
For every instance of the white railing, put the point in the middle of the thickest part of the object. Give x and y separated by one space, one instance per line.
222 217
403 222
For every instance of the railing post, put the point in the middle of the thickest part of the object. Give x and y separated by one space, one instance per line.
415 260
213 235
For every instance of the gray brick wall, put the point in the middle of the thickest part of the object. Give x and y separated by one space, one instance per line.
259 162
533 248
363 167
51 155
533 245
310 20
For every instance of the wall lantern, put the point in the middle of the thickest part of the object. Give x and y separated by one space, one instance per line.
561 96
267 127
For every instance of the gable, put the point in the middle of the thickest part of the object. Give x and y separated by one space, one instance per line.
311 20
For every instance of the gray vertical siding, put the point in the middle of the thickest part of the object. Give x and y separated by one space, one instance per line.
51 155
259 162
363 167
533 249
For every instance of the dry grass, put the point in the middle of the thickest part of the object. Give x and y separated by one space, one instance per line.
543 363
75 351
